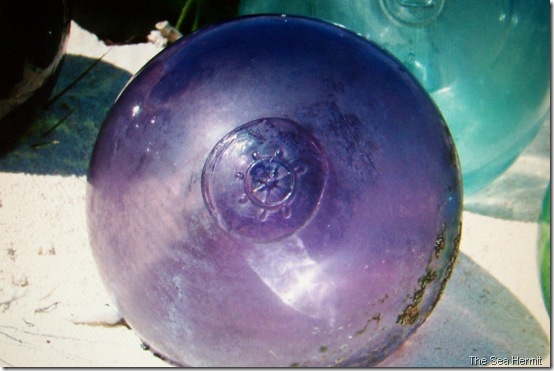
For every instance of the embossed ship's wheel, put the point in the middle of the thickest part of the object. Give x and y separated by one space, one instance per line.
269 183
262 176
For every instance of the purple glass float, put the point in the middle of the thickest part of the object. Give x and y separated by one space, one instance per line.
274 191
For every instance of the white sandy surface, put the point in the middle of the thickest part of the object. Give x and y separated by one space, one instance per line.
54 310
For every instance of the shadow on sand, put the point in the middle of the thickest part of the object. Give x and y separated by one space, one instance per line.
476 316
61 140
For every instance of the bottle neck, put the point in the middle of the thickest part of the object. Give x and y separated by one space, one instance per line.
413 12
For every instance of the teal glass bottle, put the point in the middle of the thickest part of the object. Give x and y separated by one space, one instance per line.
486 64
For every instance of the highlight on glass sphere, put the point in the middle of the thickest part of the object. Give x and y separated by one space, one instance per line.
258 198
485 63
33 37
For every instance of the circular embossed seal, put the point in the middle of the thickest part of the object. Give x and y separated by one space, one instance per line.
264 180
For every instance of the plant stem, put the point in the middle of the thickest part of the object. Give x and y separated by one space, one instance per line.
60 121
74 82
183 15
196 19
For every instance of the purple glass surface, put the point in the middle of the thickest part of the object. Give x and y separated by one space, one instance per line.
274 191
